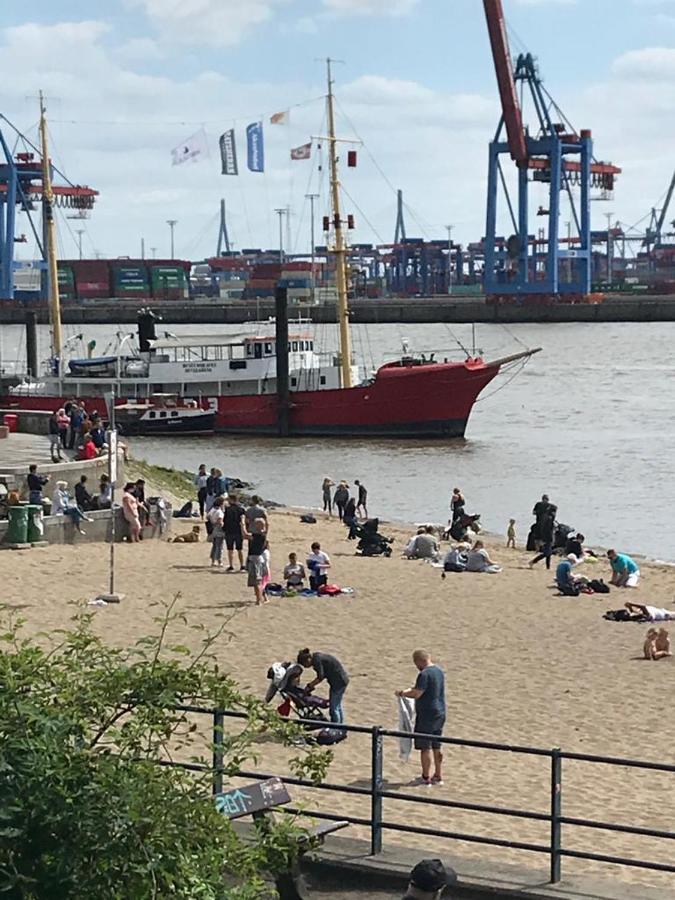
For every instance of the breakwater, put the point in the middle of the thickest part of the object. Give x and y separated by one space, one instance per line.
467 309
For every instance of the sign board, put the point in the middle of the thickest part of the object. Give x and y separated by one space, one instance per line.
252 798
112 455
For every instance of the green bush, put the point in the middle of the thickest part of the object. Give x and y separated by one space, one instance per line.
86 811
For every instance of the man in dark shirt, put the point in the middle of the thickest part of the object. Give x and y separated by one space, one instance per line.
429 697
35 484
234 514
363 498
331 669
82 496
428 880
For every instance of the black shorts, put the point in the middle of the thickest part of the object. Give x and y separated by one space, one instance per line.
234 541
432 727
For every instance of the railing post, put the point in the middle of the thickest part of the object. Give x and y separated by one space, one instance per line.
556 807
218 725
376 792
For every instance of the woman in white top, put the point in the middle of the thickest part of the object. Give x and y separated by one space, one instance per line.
478 560
216 517
62 505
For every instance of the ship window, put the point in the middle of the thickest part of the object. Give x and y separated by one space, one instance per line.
268 348
152 415
311 345
174 414
294 382
249 350
258 350
162 415
322 379
295 345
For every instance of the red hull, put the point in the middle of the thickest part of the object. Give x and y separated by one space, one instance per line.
403 401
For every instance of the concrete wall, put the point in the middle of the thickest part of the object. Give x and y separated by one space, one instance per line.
60 529
30 422
15 476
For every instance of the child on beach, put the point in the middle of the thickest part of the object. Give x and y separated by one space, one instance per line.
657 644
511 534
294 573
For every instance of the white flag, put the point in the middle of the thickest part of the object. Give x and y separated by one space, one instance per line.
194 148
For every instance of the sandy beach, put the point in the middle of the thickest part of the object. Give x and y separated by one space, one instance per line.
523 666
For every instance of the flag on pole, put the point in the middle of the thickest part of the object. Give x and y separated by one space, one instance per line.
228 153
194 148
280 118
255 148
302 152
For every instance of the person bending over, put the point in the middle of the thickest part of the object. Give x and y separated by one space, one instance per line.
625 571
331 669
568 583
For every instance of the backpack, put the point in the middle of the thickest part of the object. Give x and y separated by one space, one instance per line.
328 736
330 590
617 615
308 519
599 586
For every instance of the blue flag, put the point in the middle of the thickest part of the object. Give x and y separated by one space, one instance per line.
255 148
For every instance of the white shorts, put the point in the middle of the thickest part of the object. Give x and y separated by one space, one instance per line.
633 578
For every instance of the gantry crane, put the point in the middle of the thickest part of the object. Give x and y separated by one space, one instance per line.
21 188
555 155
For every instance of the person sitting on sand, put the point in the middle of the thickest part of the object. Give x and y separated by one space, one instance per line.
625 571
568 583
657 644
478 560
455 559
640 612
318 564
575 544
294 573
423 545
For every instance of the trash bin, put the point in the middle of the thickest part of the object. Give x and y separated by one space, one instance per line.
11 420
17 530
36 526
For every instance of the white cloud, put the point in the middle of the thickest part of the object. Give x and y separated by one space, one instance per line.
371 7
214 23
649 62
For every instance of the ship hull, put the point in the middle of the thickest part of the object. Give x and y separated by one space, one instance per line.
432 400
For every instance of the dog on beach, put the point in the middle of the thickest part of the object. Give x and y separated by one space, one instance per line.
190 537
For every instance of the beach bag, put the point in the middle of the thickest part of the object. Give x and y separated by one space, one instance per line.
617 615
308 520
329 736
284 709
330 590
598 586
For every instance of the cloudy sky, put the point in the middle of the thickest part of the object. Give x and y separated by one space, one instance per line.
128 80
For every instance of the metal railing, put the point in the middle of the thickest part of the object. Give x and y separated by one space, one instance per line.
377 823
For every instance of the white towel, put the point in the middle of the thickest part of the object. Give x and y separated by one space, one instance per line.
406 722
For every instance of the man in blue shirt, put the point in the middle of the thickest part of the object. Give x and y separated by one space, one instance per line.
625 571
429 697
567 584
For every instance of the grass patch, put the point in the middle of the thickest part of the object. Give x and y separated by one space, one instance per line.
176 481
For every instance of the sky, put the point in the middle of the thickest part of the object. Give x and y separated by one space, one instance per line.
128 80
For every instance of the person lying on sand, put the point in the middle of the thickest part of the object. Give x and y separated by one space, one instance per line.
641 612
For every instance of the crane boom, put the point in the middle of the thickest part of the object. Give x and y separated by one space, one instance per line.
513 118
666 204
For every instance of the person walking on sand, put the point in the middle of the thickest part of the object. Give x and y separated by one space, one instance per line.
328 483
363 498
457 503
200 483
340 498
130 512
217 535
511 534
255 562
235 515
546 528
429 696
331 669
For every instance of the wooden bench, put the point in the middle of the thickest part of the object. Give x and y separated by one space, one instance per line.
259 800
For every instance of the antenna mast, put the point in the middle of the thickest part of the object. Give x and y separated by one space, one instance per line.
48 215
339 243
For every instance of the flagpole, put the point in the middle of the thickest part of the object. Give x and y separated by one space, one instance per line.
339 248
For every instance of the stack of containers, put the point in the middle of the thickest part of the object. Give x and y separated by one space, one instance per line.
130 280
92 278
66 278
168 281
297 276
263 279
231 274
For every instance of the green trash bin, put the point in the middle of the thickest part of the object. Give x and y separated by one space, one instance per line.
17 530
36 526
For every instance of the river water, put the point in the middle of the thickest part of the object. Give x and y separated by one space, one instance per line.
590 420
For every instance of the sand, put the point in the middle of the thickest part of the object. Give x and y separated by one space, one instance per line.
523 666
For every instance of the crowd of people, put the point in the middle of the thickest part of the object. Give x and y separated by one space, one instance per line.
72 428
348 507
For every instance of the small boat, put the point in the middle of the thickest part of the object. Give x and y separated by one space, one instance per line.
164 414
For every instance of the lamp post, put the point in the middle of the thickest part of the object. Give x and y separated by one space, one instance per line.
610 249
172 224
281 212
111 596
79 232
449 228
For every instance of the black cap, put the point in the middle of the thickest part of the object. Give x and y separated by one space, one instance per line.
432 875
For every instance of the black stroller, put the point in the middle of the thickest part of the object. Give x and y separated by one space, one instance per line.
371 543
284 678
460 529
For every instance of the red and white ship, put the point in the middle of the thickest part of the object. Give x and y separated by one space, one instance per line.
236 377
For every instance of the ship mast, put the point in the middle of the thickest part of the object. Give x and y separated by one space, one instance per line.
339 249
48 219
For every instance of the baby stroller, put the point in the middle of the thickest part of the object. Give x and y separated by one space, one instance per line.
284 678
459 529
370 542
